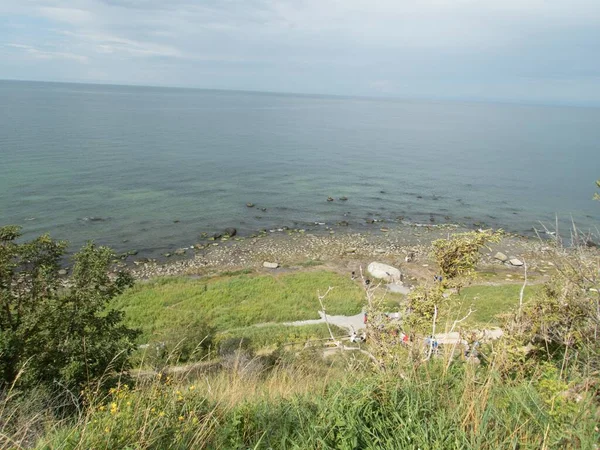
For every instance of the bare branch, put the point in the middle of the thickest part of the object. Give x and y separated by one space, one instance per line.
523 288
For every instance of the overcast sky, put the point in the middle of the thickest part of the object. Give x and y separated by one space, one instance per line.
512 50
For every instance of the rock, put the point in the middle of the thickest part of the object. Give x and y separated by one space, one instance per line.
250 205
344 199
62 272
230 232
370 220
167 255
384 229
501 257
343 223
270 265
217 236
263 209
329 199
132 252
351 250
516 262
409 257
180 251
203 235
384 272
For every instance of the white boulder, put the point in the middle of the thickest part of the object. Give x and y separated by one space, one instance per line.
384 272
270 265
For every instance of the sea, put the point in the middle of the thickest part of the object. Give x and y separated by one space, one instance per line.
150 168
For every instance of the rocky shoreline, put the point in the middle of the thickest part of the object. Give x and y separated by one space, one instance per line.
287 247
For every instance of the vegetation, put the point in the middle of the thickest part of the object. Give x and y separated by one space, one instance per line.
52 332
536 388
597 195
229 303
489 302
458 256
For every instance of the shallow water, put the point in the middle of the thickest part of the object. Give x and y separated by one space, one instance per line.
141 158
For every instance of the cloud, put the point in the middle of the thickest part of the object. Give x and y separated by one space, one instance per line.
391 47
37 53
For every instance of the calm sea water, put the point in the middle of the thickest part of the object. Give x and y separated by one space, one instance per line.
141 158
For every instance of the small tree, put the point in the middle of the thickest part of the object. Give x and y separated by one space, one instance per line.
458 255
52 331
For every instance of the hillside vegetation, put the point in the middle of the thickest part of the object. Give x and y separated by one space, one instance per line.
219 372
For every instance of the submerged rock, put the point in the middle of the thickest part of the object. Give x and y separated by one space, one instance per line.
250 205
330 199
230 231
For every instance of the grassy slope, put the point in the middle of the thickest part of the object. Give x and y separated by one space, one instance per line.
489 301
237 302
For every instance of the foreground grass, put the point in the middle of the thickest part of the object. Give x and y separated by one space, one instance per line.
235 302
463 408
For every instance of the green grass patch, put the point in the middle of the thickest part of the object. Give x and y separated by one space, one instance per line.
274 335
226 303
489 301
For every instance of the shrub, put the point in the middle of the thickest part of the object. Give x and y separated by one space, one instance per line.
53 332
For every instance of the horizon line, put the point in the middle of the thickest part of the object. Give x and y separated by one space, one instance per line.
389 97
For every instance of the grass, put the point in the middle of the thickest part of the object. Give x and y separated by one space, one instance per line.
233 302
489 301
274 335
289 408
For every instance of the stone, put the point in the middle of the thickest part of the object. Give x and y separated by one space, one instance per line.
351 250
329 199
343 223
501 257
250 205
180 251
62 272
230 231
270 265
344 199
384 272
370 220
516 262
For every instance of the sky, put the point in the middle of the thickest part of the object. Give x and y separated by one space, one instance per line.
540 51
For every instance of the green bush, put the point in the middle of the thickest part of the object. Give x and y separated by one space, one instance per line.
57 333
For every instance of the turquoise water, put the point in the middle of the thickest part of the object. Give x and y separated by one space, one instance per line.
141 158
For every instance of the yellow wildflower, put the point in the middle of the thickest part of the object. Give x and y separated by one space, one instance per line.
192 388
102 408
161 414
181 418
107 430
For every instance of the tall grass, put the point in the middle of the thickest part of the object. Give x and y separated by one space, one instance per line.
295 408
